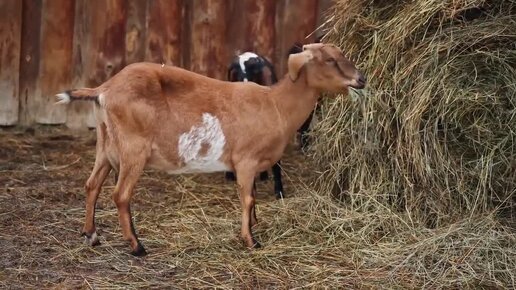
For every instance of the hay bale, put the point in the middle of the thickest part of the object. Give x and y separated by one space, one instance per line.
434 134
421 166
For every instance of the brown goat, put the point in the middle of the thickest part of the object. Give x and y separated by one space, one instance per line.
171 119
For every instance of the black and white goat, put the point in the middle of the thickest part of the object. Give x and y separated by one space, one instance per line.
250 67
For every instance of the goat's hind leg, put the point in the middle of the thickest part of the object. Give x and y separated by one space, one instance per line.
131 169
93 186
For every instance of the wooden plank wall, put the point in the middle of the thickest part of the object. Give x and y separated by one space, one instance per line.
10 48
47 46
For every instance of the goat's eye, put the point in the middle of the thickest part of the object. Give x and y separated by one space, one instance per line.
330 61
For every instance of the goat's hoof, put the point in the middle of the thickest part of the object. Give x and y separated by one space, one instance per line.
280 195
254 244
139 251
91 239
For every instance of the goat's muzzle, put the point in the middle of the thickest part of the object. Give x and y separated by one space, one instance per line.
359 82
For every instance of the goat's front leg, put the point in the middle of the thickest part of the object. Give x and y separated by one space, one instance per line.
245 180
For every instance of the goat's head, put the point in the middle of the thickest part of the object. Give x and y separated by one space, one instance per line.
253 68
326 67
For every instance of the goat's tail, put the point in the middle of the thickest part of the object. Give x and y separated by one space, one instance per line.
78 94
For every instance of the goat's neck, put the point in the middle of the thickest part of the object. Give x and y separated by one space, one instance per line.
295 101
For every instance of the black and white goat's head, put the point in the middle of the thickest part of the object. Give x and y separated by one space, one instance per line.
251 67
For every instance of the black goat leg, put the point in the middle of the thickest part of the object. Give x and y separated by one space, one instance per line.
303 131
230 176
278 184
264 175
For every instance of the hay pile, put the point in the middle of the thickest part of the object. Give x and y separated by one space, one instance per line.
429 148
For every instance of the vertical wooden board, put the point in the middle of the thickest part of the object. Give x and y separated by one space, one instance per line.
208 52
163 43
136 30
251 27
29 59
99 51
10 44
323 9
237 42
260 26
56 57
279 56
297 20
186 34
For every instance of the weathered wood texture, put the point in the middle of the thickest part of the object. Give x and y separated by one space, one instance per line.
135 30
208 52
163 42
57 20
261 26
29 59
10 38
99 50
47 46
294 25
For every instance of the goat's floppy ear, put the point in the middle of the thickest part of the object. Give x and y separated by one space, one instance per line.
296 63
313 46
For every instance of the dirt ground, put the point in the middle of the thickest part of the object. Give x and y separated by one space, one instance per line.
189 224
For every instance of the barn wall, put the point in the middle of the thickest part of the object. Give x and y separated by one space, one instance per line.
47 46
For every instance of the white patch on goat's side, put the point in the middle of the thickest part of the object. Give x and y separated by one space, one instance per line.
243 58
64 98
210 134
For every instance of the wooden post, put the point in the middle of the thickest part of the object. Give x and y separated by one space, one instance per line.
323 9
260 27
208 50
237 42
294 23
10 44
99 50
252 28
29 59
55 59
163 44
135 31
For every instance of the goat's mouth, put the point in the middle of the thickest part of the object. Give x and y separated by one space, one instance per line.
358 86
359 83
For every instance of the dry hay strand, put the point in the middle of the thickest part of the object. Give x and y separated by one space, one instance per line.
429 145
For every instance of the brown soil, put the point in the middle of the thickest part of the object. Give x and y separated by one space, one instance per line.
189 224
